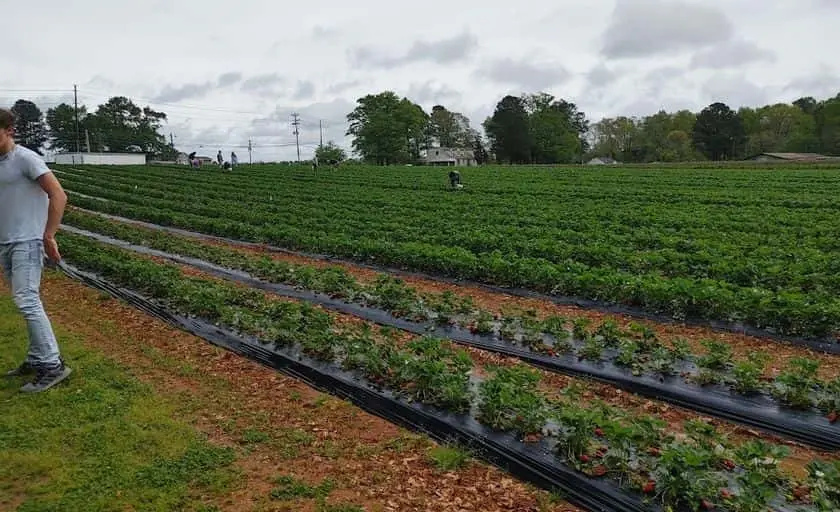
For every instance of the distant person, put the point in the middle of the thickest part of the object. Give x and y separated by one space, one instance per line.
219 158
455 179
227 166
234 160
32 203
315 164
193 160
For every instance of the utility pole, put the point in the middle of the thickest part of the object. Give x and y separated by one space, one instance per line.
321 129
250 161
87 140
171 140
296 124
76 110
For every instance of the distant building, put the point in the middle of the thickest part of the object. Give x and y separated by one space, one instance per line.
100 158
603 160
460 157
791 157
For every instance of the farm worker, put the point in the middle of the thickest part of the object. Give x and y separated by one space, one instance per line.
32 203
315 163
455 179
234 160
220 158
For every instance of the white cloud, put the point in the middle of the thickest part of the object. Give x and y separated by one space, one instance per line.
234 71
641 28
731 54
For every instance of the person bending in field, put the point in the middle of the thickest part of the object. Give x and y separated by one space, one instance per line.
455 179
32 203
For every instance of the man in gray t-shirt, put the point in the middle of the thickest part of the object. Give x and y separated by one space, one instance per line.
32 203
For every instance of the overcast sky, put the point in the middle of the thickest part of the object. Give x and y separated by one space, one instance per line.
227 71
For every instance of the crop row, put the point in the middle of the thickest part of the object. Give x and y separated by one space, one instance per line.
767 252
700 469
637 348
789 312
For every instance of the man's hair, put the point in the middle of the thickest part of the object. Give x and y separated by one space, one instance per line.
7 119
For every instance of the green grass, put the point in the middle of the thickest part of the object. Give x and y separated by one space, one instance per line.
100 441
448 458
289 488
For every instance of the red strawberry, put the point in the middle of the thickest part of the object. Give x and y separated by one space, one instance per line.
599 432
649 487
599 470
584 458
832 417
728 464
707 505
654 451
725 494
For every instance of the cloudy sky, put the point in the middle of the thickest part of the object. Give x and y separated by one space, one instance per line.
226 72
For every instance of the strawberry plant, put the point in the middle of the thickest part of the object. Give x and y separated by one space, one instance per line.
824 484
718 355
645 336
748 373
627 351
592 349
577 436
828 398
484 323
683 478
795 385
681 348
580 327
509 401
610 332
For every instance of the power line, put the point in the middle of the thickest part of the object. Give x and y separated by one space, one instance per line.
296 124
76 115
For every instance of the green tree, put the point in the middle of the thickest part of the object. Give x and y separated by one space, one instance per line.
330 152
718 132
450 129
30 129
62 126
620 138
557 129
479 150
807 105
678 147
508 131
388 130
779 128
827 121
121 126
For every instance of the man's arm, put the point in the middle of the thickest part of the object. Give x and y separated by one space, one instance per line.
58 201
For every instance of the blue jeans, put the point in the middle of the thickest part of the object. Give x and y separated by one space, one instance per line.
22 263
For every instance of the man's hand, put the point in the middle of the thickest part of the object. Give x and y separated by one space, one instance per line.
51 248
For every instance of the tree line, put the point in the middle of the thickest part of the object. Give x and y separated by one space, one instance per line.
118 125
528 129
541 129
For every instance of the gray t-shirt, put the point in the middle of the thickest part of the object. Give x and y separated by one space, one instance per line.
23 203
